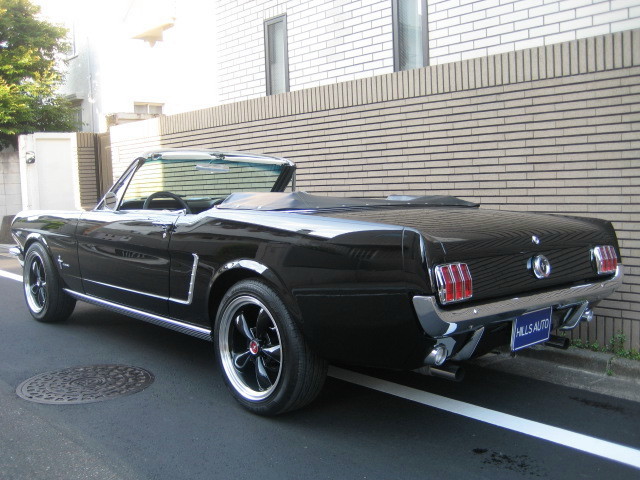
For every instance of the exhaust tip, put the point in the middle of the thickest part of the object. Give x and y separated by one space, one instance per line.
437 356
454 373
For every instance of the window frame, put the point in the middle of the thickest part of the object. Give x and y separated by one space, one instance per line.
76 107
147 106
71 38
396 35
267 23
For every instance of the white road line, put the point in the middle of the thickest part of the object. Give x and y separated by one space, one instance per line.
11 276
612 451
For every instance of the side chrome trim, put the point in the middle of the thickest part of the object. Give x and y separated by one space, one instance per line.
192 283
188 301
199 332
130 290
438 322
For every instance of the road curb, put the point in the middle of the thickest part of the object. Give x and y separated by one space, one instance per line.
626 368
587 360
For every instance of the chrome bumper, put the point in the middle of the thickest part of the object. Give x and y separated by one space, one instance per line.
16 252
439 323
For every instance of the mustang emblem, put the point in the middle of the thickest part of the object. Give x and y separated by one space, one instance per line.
540 266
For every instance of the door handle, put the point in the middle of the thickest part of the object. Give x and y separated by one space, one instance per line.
166 227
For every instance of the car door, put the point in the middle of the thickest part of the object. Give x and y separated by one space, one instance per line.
124 257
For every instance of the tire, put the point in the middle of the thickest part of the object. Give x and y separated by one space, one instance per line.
45 299
266 364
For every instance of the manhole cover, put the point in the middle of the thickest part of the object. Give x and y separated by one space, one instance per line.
85 384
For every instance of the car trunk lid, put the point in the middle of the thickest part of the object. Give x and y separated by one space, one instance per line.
499 246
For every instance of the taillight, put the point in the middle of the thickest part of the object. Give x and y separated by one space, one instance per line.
605 259
454 282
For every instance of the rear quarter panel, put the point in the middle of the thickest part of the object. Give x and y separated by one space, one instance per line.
344 281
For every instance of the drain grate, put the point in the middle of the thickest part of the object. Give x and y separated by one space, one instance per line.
94 383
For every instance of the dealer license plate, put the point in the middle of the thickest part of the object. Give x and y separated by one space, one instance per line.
531 328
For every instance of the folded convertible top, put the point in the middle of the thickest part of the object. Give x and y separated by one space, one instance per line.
272 201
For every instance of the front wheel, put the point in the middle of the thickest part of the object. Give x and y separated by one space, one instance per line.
267 365
46 300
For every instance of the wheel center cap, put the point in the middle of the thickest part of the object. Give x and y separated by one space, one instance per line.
254 347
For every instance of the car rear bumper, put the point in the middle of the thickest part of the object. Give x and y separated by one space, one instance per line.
438 322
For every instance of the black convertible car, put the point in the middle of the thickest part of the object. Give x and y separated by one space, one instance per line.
283 283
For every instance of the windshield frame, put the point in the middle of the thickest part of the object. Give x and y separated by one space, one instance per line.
119 188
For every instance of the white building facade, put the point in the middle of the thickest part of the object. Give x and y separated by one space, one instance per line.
341 40
133 59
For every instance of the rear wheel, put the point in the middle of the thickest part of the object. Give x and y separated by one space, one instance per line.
46 300
267 365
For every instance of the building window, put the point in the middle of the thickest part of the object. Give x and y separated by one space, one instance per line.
148 108
277 57
76 106
71 38
410 35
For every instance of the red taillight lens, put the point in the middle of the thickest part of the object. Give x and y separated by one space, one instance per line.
447 289
605 259
454 282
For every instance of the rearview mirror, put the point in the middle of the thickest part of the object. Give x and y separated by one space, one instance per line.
110 201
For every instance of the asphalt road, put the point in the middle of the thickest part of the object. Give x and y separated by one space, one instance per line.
186 425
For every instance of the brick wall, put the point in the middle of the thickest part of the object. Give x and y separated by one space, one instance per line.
87 173
552 129
334 40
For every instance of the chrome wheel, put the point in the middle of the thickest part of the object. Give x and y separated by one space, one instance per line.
43 287
35 285
250 348
265 361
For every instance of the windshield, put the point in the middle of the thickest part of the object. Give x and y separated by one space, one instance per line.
214 178
207 179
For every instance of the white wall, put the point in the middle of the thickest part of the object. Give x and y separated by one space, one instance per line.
339 40
329 41
10 199
462 29
51 182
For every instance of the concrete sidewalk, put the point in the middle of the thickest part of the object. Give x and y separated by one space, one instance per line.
578 368
602 363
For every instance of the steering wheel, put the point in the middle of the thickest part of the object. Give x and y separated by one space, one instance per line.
183 204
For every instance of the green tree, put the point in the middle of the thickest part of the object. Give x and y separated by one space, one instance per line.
31 52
